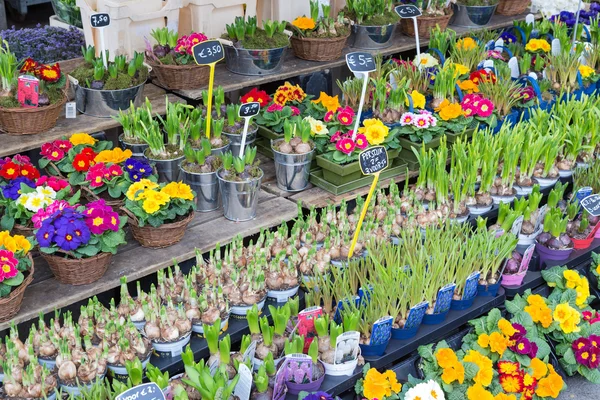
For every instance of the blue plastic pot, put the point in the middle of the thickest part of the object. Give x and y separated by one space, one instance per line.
434 319
513 117
459 305
403 334
376 350
488 290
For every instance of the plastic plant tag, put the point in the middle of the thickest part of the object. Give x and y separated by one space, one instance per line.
280 388
499 45
530 19
364 294
146 391
347 347
71 110
541 216
299 367
526 258
516 228
340 306
28 91
444 298
214 366
556 49
415 315
382 331
249 353
488 64
306 321
583 193
534 76
244 386
513 64
471 286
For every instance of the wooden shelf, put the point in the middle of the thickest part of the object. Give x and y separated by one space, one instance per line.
83 123
135 262
293 66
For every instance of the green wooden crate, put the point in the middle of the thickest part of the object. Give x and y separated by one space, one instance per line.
268 134
407 154
453 137
343 174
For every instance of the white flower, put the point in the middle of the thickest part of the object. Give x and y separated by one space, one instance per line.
46 191
318 127
425 60
551 7
419 392
435 391
23 199
35 202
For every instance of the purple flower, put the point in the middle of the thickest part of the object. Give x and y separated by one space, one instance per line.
44 44
138 169
508 37
66 238
523 346
299 376
319 396
81 231
12 190
534 350
520 331
45 234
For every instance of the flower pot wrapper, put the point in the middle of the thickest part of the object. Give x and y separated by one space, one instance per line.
469 294
337 317
443 302
299 372
413 322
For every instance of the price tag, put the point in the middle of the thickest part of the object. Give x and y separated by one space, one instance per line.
360 62
100 20
71 110
146 391
373 160
526 258
408 11
346 347
591 204
244 386
208 52
249 109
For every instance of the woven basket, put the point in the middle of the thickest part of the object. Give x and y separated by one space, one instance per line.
10 306
78 271
175 77
425 24
512 7
30 121
22 230
317 49
164 236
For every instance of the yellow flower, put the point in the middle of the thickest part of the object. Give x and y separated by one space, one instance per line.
483 340
573 278
10 244
150 206
460 70
147 183
185 192
134 189
304 23
568 318
536 299
485 374
467 43
506 327
498 343
115 156
418 99
539 368
538 44
451 111
550 386
455 372
82 138
376 134
22 243
477 392
446 357
160 197
504 396
468 86
378 386
317 127
331 103
586 71
583 292
444 103
598 269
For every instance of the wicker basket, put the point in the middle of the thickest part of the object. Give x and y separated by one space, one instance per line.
512 7
316 49
175 77
22 230
10 306
164 236
425 24
30 121
78 271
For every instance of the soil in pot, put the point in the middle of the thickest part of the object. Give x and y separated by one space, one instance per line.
250 172
171 153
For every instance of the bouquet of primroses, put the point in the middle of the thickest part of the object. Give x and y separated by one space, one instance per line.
480 108
113 179
562 280
82 231
157 204
420 127
17 167
15 261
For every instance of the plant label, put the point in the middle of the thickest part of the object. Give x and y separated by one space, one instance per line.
347 347
499 45
408 11
373 160
71 110
208 52
488 64
306 321
444 298
513 64
470 290
340 306
556 49
244 386
534 76
146 391
382 331
248 110
526 258
583 193
364 294
299 362
591 204
28 91
249 353
100 20
280 388
516 227
541 216
415 315
530 19
360 62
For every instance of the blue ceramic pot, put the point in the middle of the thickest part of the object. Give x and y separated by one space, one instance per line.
434 319
377 350
488 290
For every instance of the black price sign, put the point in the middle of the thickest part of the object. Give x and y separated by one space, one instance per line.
408 11
100 20
373 160
360 62
209 52
146 391
249 109
591 204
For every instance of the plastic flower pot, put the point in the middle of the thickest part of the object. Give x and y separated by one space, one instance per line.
282 296
296 388
76 389
199 328
513 280
565 173
472 16
172 348
479 210
546 182
523 190
403 334
503 199
434 319
241 311
120 373
488 290
345 369
375 350
547 254
459 305
511 118
527 240
582 244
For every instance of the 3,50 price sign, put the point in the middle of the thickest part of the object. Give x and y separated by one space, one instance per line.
208 52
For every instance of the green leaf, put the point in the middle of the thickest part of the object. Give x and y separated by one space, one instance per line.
492 320
114 192
426 352
553 275
15 281
592 375
76 178
43 163
7 222
523 360
5 290
516 306
569 357
471 369
480 325
88 251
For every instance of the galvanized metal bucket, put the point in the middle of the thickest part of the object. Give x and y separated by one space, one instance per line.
168 170
239 198
472 16
220 150
137 150
372 37
206 186
254 62
292 170
235 141
106 103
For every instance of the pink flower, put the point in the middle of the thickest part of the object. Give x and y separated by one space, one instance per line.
336 136
8 257
407 119
421 122
470 98
345 145
181 46
495 54
95 178
193 40
347 109
54 182
274 107
52 152
469 110
345 118
42 214
328 116
361 141
295 111
486 108
115 170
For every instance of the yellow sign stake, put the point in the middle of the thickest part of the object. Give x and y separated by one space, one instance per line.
211 82
363 213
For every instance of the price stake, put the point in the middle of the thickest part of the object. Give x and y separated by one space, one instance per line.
209 53
247 111
146 391
591 204
360 63
405 11
101 21
372 161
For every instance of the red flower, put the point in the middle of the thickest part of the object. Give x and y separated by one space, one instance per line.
336 136
10 171
64 145
81 162
115 170
328 116
274 108
594 361
30 172
48 73
88 152
259 96
361 141
482 75
52 152
345 145
29 66
587 315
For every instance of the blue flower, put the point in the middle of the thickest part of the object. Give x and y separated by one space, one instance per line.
508 37
82 231
66 238
45 234
12 190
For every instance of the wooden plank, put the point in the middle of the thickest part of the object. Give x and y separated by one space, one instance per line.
83 123
138 262
293 66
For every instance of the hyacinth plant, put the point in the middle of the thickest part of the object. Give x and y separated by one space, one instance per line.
82 231
467 52
320 27
240 168
198 131
296 139
441 39
200 160
444 86
372 12
173 49
177 134
246 34
131 121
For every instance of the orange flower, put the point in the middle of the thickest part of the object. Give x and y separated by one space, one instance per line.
550 386
304 23
539 368
498 343
331 103
446 358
